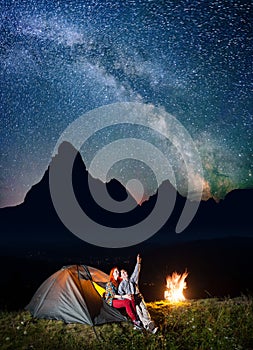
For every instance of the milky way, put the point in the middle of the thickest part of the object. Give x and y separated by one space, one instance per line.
61 59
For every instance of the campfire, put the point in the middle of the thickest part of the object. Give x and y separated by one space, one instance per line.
175 287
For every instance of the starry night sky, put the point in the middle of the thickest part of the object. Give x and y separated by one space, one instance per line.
61 59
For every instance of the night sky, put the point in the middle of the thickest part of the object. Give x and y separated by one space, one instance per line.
190 59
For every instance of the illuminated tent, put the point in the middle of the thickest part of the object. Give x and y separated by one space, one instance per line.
74 295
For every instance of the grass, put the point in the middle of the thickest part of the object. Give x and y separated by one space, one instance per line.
219 324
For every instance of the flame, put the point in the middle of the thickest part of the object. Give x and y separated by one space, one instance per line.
175 287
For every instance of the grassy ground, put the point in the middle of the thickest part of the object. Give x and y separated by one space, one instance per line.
201 324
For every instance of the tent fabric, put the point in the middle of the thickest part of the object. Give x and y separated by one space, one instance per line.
69 295
100 289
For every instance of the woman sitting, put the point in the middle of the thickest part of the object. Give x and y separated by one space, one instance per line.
120 301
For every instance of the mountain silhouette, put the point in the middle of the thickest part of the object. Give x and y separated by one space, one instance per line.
35 221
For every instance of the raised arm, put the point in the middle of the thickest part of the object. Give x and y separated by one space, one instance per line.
135 275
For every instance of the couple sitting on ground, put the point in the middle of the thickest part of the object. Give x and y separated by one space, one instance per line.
123 292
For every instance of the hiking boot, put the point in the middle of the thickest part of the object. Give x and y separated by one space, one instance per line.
137 325
154 330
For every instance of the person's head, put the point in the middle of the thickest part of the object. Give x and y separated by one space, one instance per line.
124 274
114 275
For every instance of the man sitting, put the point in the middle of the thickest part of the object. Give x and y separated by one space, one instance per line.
130 286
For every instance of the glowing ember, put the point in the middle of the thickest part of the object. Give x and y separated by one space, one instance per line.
175 287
